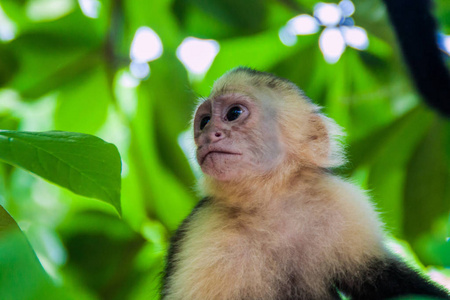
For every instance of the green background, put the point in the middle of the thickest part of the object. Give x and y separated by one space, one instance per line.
63 71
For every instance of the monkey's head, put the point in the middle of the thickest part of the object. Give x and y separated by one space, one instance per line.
254 124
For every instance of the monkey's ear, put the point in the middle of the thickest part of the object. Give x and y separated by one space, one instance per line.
318 141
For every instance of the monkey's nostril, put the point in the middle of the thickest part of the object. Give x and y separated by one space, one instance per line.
218 134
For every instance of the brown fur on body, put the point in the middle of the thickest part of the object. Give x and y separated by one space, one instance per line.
276 224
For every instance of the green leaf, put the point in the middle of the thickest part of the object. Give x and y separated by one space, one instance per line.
426 187
260 51
8 65
91 90
166 197
247 15
6 222
395 142
82 163
387 152
22 276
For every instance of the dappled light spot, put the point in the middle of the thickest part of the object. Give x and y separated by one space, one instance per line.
146 46
444 43
339 31
347 7
303 25
328 14
125 91
50 250
355 37
332 44
447 44
347 22
287 36
140 70
48 10
197 55
127 80
8 28
187 145
90 8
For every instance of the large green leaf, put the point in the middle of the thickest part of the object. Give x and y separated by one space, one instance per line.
223 18
260 51
51 54
426 186
90 89
82 163
22 276
166 197
395 142
387 152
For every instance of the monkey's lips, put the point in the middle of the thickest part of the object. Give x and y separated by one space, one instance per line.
214 152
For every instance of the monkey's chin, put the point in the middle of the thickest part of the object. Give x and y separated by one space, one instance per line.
223 167
223 176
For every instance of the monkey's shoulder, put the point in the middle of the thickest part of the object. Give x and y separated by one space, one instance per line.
322 232
334 211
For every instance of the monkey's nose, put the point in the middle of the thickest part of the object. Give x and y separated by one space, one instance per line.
216 136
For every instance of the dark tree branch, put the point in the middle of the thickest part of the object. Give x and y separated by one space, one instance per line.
416 31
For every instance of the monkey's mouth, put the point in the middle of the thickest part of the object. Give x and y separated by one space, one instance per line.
217 152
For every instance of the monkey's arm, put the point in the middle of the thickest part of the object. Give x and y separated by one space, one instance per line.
388 279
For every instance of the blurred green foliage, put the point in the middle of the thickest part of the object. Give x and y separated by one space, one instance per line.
65 71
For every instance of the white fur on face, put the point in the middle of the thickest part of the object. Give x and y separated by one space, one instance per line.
232 150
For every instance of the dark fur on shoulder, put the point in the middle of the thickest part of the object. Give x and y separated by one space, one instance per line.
388 279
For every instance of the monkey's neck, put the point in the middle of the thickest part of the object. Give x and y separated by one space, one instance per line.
265 189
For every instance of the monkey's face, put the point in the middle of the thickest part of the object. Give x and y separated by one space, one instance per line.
236 137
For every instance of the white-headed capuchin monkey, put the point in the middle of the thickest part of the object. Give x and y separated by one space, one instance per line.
275 222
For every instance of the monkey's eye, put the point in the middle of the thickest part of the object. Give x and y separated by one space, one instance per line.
234 113
204 121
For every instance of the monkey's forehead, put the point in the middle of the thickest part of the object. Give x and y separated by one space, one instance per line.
259 87
252 78
233 91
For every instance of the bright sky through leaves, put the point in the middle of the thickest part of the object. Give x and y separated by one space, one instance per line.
197 55
332 44
146 45
339 31
355 37
329 14
140 70
347 7
7 27
444 43
90 8
48 10
303 25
